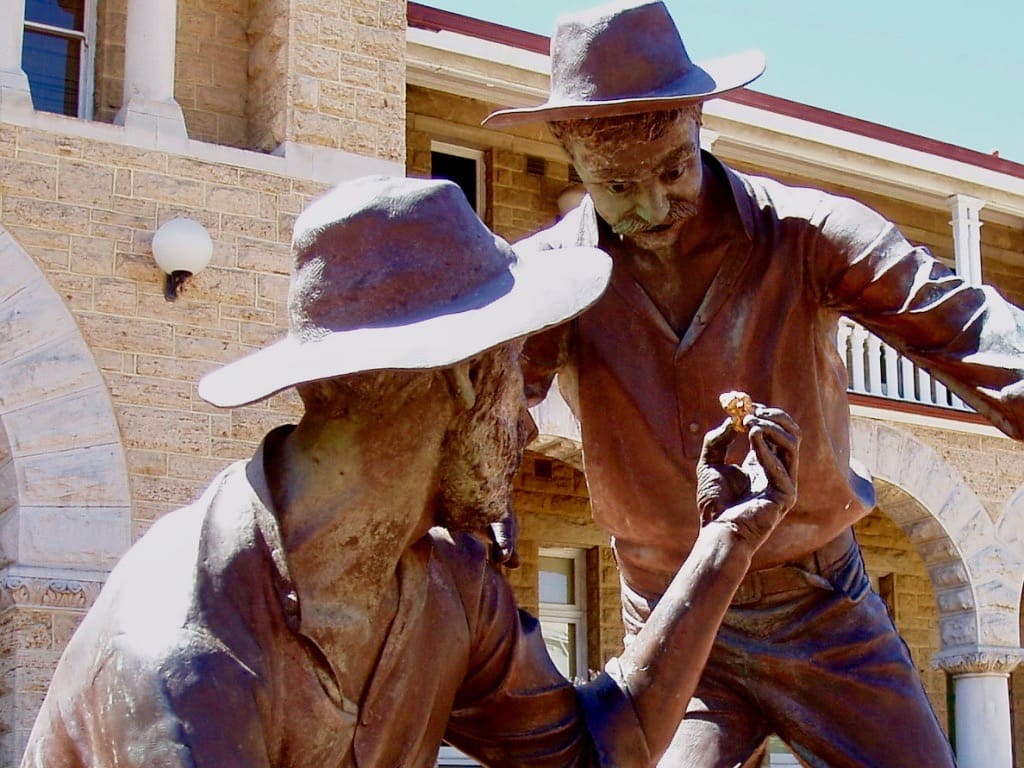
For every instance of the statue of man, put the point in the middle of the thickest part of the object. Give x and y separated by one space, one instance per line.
323 604
723 281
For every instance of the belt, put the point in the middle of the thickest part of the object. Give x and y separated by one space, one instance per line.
812 569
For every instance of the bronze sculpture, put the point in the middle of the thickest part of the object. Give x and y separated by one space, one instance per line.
724 281
323 603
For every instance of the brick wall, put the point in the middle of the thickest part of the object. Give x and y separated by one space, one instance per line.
888 553
554 511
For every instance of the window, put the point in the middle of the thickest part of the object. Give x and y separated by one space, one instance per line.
465 167
562 586
57 55
450 757
778 755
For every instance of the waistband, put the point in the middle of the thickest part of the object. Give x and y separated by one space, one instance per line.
810 570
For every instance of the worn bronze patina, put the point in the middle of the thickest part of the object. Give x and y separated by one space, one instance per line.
323 604
725 281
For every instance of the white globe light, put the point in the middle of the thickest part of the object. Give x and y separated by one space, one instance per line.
182 245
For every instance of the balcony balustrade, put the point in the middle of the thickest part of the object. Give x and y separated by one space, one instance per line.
877 369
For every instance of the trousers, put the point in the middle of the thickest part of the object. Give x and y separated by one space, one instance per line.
807 651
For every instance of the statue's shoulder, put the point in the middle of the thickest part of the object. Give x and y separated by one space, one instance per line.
798 204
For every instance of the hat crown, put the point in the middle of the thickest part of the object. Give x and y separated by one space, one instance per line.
383 251
590 51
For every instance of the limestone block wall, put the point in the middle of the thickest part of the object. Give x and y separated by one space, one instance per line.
268 90
211 67
84 211
330 74
111 22
256 75
522 197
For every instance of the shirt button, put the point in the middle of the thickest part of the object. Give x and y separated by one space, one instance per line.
694 427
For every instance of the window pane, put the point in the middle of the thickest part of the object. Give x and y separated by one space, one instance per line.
557 582
461 170
560 639
69 14
52 64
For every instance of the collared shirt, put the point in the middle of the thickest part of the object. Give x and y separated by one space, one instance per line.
194 655
767 325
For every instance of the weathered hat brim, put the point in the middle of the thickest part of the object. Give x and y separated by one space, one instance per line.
704 81
546 288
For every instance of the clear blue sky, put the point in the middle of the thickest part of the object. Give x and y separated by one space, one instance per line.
952 71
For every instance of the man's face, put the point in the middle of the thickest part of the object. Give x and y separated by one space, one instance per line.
647 190
484 448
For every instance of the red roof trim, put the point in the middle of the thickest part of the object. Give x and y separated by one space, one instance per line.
436 20
425 17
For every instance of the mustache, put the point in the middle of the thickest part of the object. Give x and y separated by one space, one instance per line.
678 211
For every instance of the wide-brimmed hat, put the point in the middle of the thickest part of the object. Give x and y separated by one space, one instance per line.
393 273
623 59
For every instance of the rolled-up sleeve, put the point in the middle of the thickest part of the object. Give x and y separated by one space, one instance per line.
515 708
969 337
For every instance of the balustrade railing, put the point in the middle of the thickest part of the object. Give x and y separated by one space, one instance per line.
877 369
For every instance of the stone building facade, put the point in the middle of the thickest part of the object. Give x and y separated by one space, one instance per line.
238 114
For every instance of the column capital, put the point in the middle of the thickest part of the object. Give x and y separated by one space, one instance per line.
978 660
966 203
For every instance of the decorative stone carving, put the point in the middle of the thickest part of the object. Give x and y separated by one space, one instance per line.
22 591
65 594
979 660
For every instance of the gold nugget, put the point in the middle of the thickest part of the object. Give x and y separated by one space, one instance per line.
736 405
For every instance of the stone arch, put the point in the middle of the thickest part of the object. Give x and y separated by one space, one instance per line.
1010 531
973 572
65 506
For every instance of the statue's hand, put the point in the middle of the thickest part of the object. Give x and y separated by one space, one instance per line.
719 485
503 534
755 504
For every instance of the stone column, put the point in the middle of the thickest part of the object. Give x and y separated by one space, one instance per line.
982 711
966 224
148 104
15 95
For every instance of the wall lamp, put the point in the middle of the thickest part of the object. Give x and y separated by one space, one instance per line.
181 247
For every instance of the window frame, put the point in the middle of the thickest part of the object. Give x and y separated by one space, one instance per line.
469 153
86 38
571 613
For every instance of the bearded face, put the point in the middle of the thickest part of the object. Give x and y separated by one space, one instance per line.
484 447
